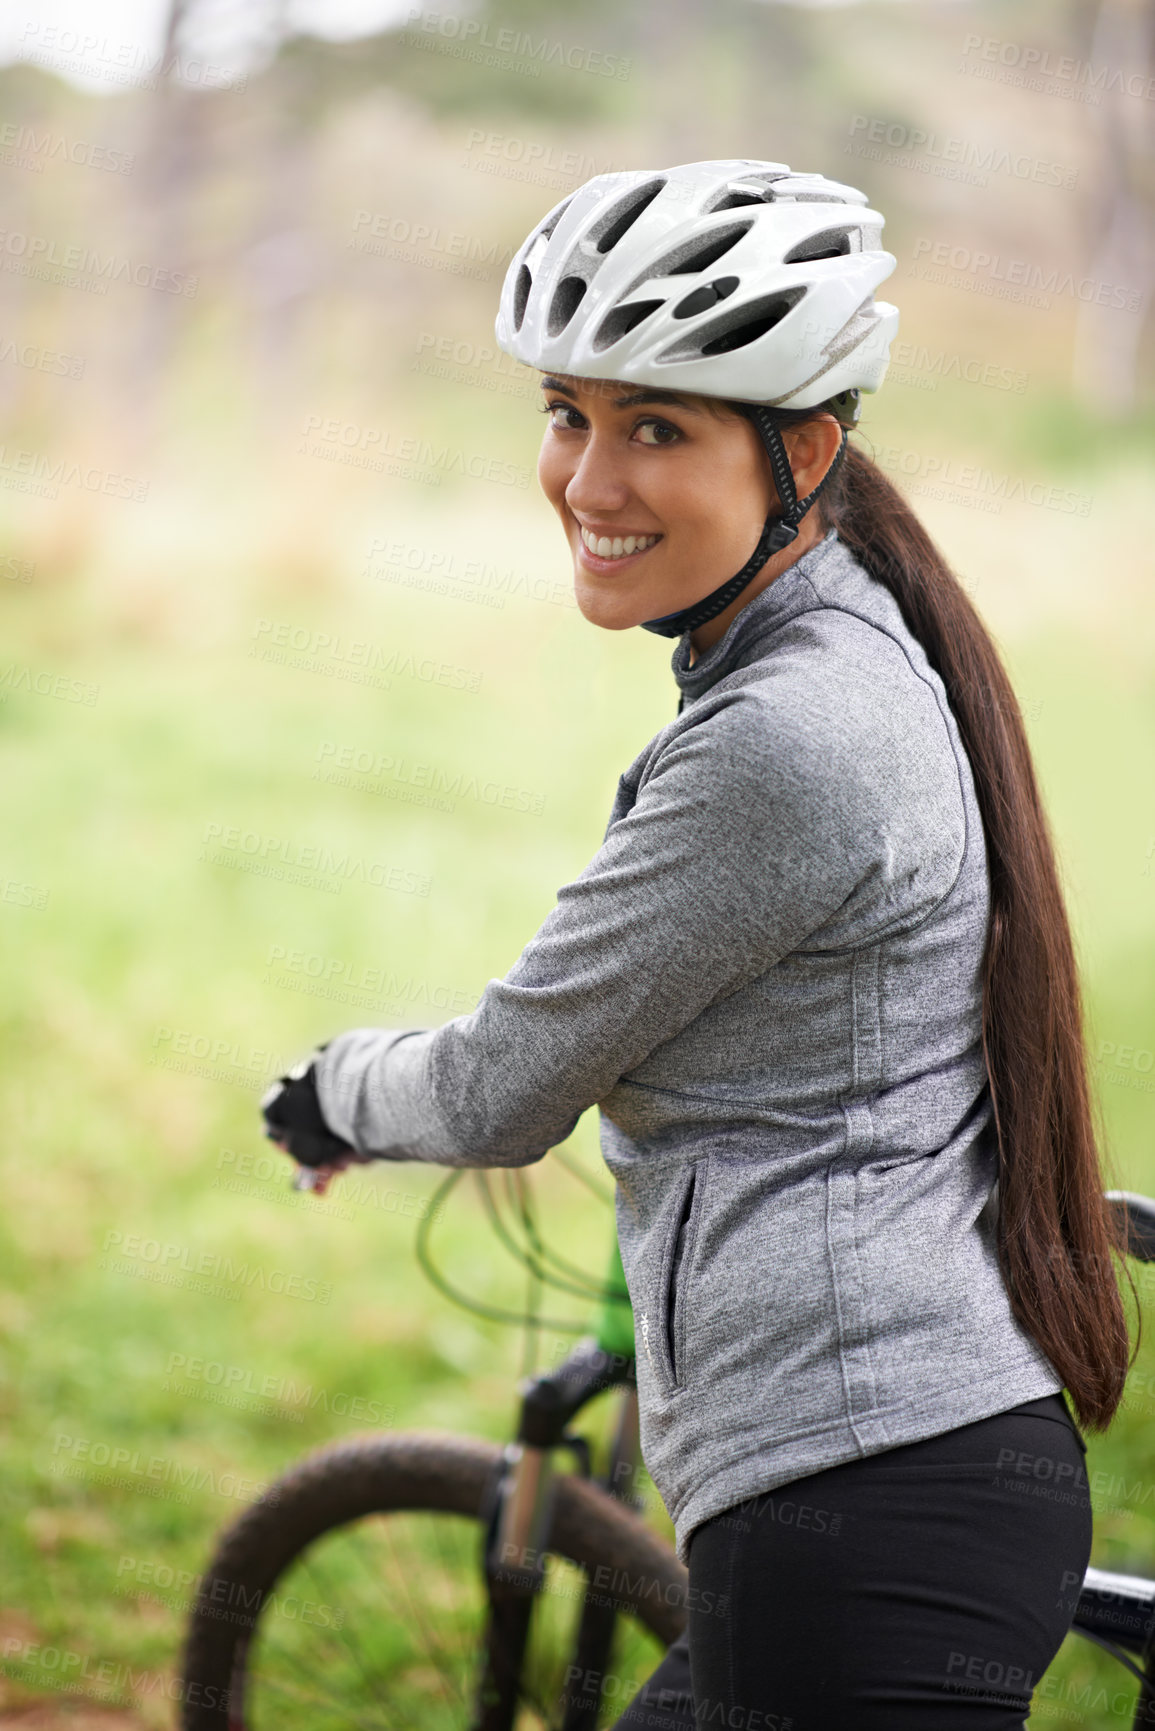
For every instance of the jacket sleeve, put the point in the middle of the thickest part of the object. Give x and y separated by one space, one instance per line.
751 827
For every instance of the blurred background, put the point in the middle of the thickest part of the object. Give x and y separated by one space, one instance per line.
300 728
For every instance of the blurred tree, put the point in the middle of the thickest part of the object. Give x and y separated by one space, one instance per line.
1119 37
172 135
281 260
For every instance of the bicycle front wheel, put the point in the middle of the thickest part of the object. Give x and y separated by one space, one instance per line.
353 1594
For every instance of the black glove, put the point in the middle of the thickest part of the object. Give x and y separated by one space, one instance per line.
293 1119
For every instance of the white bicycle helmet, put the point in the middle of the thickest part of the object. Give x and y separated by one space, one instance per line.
737 279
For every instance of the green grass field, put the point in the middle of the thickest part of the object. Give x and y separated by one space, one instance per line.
159 969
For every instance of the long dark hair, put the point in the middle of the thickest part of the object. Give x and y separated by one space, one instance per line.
1058 1240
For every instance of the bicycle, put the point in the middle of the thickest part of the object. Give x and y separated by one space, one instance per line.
531 1597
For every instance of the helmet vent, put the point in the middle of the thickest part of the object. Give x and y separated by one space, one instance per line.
831 243
766 313
700 300
742 326
700 255
622 320
731 200
566 299
521 296
623 216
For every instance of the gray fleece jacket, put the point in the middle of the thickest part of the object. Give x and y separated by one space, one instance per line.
768 981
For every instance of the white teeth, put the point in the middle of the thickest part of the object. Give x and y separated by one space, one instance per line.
617 547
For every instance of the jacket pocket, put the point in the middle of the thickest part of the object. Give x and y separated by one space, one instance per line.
667 1342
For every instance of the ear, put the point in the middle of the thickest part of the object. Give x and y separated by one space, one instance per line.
811 447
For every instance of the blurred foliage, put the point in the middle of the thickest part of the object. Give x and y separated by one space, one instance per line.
254 518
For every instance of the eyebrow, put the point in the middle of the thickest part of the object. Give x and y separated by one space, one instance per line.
673 398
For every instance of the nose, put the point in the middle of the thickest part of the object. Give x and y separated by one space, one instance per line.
597 487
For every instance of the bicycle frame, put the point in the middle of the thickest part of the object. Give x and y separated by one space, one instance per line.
517 1532
1115 1611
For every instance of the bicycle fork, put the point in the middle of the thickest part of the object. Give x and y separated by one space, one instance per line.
518 1536
585 1677
514 1573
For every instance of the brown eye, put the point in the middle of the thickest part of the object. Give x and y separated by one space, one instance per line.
664 433
565 409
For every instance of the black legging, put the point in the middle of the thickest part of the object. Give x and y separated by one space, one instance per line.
926 1587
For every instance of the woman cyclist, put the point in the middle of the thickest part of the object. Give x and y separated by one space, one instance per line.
819 980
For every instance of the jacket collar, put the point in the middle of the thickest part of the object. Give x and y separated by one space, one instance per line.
746 636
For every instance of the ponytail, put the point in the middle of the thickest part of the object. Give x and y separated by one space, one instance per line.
1057 1237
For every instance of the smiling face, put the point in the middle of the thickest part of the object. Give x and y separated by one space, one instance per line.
663 496
660 498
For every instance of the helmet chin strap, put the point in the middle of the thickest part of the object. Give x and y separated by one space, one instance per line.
777 532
